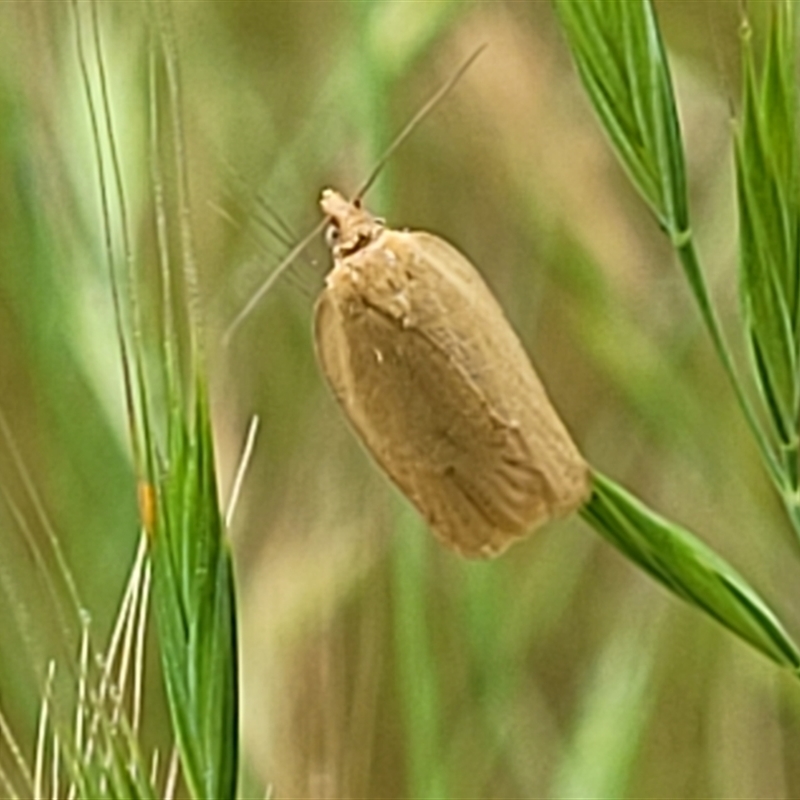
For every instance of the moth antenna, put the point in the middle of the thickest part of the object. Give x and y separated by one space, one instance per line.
270 281
415 121
390 151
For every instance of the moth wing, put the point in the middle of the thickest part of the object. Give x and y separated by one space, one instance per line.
457 312
436 384
484 488
331 344
429 431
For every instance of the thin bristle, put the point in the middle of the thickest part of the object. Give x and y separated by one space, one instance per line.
412 124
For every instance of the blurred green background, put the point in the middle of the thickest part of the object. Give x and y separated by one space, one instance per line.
374 663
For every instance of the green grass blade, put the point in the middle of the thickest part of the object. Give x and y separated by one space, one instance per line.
688 568
766 176
616 708
620 57
417 672
194 604
193 587
192 572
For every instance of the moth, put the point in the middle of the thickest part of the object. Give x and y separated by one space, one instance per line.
435 382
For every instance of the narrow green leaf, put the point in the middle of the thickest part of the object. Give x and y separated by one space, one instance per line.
769 216
620 57
615 710
193 587
194 603
688 568
417 672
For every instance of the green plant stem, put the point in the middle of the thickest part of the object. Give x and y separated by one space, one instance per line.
687 254
783 472
791 493
789 456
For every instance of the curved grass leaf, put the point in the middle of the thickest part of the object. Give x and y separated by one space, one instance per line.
688 568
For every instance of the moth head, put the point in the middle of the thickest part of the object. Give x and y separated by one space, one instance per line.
351 227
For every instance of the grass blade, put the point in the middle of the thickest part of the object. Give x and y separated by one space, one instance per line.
766 177
616 708
620 57
688 568
194 605
417 669
193 590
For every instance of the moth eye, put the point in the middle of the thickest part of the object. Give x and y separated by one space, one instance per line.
331 235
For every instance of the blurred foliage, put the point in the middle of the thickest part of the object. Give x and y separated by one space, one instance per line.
374 663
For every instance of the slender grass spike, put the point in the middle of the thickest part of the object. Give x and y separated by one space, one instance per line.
438 387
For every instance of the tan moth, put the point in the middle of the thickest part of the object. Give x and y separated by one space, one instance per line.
438 387
433 378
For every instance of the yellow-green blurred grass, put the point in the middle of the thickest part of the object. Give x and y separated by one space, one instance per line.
514 170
